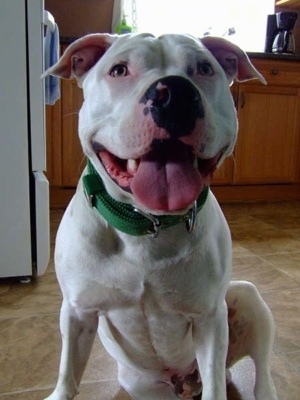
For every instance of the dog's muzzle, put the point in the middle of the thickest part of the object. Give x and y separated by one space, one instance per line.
175 105
169 176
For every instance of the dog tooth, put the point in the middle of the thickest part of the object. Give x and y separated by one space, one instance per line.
132 165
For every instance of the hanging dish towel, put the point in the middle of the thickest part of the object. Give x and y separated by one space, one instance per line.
51 56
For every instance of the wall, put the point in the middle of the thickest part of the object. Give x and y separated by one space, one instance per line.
79 17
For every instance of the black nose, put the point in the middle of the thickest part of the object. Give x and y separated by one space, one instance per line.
175 105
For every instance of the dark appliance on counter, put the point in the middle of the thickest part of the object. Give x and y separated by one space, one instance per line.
279 37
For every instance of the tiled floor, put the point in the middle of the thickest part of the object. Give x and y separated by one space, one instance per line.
266 245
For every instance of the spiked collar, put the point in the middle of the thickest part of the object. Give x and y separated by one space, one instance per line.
129 219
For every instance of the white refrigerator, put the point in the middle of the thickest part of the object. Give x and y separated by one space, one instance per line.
24 189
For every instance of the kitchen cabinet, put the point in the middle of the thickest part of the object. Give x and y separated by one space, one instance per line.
73 159
265 151
53 144
266 148
65 159
266 159
265 163
224 174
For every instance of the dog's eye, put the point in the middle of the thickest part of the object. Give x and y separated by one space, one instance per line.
205 68
118 70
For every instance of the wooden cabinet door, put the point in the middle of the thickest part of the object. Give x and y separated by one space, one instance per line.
53 143
73 159
267 144
224 174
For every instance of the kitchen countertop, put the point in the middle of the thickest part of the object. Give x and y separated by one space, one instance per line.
274 56
291 57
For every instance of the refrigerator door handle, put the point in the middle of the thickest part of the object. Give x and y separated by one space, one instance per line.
49 20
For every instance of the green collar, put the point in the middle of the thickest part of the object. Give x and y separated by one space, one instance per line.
129 219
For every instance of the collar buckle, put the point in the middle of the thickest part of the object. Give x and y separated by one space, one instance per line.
89 197
156 224
191 221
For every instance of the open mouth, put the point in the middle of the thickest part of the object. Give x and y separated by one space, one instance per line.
167 178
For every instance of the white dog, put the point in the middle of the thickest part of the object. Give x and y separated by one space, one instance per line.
143 253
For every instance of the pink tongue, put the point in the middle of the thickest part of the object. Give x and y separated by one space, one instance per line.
166 179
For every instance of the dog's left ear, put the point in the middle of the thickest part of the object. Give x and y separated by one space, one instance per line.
81 55
233 60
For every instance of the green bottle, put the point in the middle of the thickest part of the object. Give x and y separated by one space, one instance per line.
123 27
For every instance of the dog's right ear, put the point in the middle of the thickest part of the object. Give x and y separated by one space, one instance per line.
81 55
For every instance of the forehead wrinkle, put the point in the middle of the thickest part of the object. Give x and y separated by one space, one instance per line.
149 55
186 50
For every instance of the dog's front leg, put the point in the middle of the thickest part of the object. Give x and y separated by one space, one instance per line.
78 329
211 344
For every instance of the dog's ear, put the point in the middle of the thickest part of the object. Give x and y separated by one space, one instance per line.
81 55
233 60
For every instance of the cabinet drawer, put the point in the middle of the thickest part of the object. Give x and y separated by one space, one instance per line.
278 72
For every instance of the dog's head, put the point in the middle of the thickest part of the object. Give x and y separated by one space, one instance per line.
158 115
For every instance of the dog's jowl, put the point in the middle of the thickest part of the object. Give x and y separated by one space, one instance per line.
143 253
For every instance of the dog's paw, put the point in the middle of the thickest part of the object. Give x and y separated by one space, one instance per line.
58 395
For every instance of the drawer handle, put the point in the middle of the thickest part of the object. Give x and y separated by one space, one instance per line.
274 71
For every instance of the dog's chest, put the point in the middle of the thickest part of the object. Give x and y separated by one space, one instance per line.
151 318
119 284
175 273
107 272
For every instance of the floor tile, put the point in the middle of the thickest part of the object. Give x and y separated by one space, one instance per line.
33 344
265 228
105 390
292 359
239 250
261 273
286 380
288 262
29 349
42 296
285 308
263 239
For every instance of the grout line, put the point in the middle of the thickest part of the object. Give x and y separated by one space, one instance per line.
21 391
278 268
51 387
28 316
270 291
